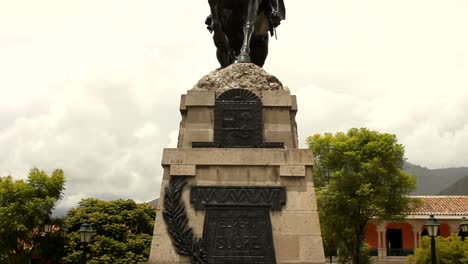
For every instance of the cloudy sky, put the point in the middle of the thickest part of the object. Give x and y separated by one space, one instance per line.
93 87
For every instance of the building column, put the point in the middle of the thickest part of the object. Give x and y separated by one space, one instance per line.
416 238
415 228
382 250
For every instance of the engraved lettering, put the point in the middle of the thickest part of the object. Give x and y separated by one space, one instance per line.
237 241
220 242
238 235
254 242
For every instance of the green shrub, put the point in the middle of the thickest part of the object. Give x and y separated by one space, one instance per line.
450 250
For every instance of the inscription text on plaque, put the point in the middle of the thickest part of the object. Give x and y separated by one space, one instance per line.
238 235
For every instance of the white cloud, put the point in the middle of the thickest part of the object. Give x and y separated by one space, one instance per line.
174 136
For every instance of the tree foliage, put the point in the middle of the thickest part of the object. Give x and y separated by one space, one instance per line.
358 177
24 207
450 250
123 231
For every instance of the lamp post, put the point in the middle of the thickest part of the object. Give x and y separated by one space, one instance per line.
432 226
85 236
63 236
464 227
47 230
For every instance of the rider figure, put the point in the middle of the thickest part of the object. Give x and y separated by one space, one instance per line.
274 17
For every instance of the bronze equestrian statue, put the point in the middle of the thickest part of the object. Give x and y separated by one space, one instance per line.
240 28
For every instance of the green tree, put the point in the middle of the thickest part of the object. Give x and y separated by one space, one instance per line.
24 207
357 177
450 250
123 231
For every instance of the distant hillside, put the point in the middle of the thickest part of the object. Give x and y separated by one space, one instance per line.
460 187
433 182
154 202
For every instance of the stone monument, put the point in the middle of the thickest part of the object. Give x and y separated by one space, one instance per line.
237 189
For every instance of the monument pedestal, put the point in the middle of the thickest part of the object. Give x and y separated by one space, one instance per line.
247 204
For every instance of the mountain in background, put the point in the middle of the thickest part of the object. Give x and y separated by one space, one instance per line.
460 187
154 202
436 181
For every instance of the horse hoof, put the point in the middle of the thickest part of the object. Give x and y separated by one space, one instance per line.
243 58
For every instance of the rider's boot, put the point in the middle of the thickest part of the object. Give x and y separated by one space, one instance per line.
209 23
274 17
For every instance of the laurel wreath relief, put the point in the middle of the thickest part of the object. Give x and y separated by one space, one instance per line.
176 220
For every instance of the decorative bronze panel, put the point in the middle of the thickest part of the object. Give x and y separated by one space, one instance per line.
238 235
273 197
238 122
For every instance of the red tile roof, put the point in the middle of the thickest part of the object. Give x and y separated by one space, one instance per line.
442 205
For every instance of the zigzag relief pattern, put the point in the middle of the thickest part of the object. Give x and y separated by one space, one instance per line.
274 197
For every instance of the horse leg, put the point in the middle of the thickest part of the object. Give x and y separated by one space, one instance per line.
219 37
249 28
259 49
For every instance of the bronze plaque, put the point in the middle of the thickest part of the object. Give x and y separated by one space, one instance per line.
238 122
238 235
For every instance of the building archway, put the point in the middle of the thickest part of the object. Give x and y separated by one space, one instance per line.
399 239
394 241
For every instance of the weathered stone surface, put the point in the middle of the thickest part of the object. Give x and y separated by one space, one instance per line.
197 115
310 254
183 170
289 248
292 171
200 98
197 135
239 75
276 116
237 156
277 99
280 136
182 106
301 201
295 223
294 103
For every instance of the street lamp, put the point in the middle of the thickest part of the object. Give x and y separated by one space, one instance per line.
47 230
464 227
85 236
432 226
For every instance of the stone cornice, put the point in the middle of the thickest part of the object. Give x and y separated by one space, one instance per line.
237 156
